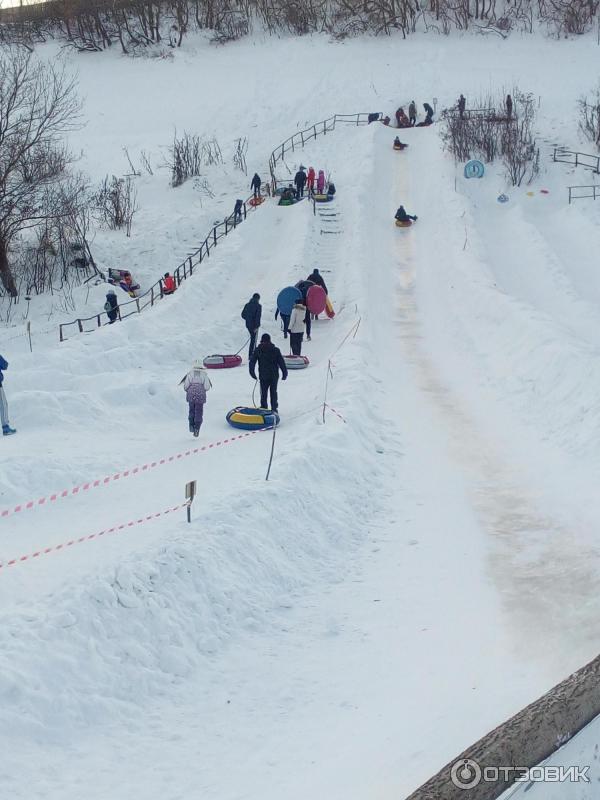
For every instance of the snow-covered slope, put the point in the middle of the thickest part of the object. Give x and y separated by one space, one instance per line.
417 568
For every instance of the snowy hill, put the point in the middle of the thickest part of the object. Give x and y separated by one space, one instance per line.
419 566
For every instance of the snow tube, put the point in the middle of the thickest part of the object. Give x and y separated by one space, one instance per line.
316 299
256 201
399 146
289 202
286 299
252 419
322 198
222 362
296 362
329 309
406 224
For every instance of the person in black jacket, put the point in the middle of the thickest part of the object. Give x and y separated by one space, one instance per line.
462 105
237 211
111 306
251 314
402 216
270 361
428 116
316 277
255 184
300 183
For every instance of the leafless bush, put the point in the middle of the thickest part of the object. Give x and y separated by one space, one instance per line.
487 133
239 155
116 203
146 165
202 186
568 16
589 117
188 154
185 158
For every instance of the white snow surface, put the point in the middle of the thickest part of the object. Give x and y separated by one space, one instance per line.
414 572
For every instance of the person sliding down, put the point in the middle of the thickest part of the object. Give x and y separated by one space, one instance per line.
398 144
255 184
196 384
297 323
251 314
270 361
300 183
402 216
428 116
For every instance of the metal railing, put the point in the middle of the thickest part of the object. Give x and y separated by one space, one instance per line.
299 139
592 191
156 291
186 269
578 159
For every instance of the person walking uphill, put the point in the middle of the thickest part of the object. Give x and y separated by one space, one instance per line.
6 429
251 314
300 182
111 306
196 384
310 180
270 361
255 184
296 327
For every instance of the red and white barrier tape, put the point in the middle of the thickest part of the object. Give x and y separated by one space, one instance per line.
64 545
86 487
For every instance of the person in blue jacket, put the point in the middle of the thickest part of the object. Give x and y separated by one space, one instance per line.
6 429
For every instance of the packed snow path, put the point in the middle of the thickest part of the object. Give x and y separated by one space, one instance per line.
348 627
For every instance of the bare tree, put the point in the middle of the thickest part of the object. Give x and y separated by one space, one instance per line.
38 105
589 117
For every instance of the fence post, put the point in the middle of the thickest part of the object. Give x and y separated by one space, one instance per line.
315 130
80 326
99 320
191 265
215 235
245 210
152 295
576 159
60 333
569 195
554 155
302 137
137 304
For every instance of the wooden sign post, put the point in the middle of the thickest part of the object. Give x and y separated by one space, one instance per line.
190 493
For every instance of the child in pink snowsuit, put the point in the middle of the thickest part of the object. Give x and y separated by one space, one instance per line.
310 180
321 182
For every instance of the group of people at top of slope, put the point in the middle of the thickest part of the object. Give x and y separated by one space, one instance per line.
313 182
410 121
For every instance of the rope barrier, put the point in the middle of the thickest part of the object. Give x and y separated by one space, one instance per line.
89 485
90 537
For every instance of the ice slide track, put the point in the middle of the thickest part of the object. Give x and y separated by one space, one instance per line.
230 223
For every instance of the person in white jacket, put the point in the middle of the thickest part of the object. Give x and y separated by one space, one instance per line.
196 384
296 328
